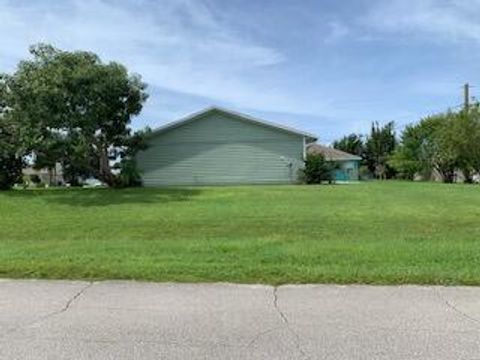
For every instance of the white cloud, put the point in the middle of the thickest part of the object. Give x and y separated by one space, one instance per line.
180 45
199 54
454 20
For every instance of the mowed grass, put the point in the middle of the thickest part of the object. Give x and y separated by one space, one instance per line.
379 232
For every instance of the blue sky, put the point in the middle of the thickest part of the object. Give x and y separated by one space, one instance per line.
329 67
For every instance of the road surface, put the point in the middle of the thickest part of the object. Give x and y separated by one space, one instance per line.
132 320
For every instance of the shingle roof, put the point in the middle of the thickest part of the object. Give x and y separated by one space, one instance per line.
238 115
331 153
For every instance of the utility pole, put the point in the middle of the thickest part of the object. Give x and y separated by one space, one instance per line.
466 96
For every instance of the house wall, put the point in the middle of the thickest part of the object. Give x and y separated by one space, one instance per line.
52 177
348 171
221 149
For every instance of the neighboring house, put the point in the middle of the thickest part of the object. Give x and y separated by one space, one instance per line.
348 163
51 177
217 146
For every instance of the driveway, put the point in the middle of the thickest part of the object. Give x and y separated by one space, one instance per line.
131 320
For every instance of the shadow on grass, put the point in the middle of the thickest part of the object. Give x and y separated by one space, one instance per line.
105 197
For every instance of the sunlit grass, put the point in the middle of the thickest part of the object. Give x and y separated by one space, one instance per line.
382 233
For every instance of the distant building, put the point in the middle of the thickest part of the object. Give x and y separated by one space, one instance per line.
51 177
348 163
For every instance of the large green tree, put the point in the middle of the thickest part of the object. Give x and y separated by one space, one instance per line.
74 106
445 142
473 138
418 149
459 139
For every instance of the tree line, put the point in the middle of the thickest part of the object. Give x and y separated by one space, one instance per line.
438 146
73 109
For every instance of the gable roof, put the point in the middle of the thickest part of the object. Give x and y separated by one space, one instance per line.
249 119
331 153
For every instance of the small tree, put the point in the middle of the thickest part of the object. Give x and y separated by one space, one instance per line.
379 146
459 137
352 144
10 149
318 169
414 154
474 138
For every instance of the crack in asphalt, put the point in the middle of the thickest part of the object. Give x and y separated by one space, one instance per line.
65 308
287 323
70 301
455 308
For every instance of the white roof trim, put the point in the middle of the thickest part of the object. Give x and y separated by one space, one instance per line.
241 116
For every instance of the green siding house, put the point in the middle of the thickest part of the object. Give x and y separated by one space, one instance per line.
348 163
219 147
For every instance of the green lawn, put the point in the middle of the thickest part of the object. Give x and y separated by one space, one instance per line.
382 233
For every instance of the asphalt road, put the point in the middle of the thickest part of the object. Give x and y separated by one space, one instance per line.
131 320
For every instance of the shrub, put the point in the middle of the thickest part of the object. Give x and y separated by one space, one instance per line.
364 173
318 169
129 175
35 179
10 171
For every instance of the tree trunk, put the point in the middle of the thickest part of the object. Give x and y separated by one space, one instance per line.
105 172
468 178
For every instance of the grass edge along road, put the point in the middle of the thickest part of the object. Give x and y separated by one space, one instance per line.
375 233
